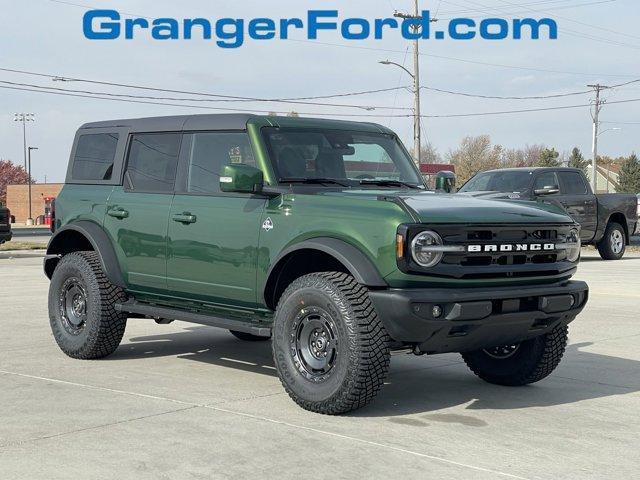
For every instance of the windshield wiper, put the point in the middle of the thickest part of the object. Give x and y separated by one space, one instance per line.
389 183
312 180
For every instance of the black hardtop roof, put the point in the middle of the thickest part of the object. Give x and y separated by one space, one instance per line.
230 121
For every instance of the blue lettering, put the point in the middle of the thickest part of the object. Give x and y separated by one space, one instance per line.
262 29
131 23
284 26
361 24
189 23
108 30
535 27
380 24
503 29
237 35
466 22
315 25
165 29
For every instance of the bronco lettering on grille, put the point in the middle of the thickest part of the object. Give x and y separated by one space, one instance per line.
512 247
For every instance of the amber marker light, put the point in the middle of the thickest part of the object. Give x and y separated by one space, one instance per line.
399 246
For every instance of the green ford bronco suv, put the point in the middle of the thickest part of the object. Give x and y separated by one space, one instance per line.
316 234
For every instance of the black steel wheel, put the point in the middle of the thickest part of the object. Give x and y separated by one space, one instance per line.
82 311
330 349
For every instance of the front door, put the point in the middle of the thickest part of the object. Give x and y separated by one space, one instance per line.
213 236
137 213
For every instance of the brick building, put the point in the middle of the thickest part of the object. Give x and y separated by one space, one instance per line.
18 199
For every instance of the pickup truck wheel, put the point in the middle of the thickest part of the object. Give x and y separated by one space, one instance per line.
613 244
330 349
520 364
247 337
82 310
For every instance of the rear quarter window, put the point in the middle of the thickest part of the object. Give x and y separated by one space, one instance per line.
94 156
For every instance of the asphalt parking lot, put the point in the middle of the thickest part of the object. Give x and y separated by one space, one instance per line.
182 402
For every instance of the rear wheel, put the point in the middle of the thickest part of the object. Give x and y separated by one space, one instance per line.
330 349
522 363
82 311
248 337
613 244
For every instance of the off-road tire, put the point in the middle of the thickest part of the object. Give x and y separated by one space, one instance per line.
104 327
532 361
605 247
362 352
248 337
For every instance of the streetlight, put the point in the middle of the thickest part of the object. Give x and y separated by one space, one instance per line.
416 108
613 129
30 219
24 118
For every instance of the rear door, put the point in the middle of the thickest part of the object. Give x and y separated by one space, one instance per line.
213 236
137 213
579 202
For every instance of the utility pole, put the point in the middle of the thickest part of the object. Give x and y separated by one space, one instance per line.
596 124
30 219
417 17
24 118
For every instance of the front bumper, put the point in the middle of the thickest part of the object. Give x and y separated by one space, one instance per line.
473 318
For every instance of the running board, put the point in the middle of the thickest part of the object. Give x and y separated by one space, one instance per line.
155 311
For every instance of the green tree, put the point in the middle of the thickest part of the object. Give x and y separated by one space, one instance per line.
577 160
549 158
629 176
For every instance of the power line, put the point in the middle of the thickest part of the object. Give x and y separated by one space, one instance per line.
523 5
212 97
364 115
187 99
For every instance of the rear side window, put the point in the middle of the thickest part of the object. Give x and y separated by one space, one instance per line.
572 183
94 156
153 161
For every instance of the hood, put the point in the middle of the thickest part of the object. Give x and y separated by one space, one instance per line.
440 208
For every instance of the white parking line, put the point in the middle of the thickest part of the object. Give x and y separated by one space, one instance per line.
270 420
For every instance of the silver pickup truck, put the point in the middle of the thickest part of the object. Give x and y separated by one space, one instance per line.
607 220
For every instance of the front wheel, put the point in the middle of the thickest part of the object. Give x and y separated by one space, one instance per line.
330 349
82 313
522 363
613 244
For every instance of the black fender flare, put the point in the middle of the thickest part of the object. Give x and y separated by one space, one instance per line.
98 239
354 260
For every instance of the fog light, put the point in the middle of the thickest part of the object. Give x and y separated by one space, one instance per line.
573 300
436 311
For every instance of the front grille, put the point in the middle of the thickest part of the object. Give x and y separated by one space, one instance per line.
496 264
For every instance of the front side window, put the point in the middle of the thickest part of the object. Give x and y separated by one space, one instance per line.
347 156
572 183
153 161
209 152
94 156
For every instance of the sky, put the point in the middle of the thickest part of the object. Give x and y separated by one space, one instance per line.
598 42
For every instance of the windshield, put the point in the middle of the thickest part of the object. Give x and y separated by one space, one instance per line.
507 181
346 157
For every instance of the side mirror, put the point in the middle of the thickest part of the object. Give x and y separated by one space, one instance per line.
445 181
548 190
241 178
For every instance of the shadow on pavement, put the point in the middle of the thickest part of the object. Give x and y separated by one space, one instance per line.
413 385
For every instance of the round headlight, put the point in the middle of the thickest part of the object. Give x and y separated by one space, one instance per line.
423 251
573 245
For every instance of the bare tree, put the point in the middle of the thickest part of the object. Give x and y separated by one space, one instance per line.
475 154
